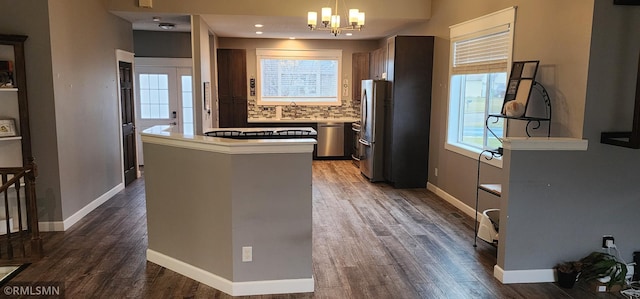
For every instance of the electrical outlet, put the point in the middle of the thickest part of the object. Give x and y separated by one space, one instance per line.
247 253
607 241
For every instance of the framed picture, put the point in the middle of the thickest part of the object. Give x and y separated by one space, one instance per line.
7 128
521 80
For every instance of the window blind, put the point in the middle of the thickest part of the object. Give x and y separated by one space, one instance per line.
486 53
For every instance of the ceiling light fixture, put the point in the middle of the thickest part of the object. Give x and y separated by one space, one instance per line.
331 22
167 26
258 32
156 19
258 25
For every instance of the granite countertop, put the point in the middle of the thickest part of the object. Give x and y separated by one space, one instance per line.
303 120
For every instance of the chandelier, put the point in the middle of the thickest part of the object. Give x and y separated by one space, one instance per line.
331 22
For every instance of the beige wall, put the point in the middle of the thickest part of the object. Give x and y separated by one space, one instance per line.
72 89
86 101
227 202
404 9
348 108
555 32
40 92
201 71
84 38
192 224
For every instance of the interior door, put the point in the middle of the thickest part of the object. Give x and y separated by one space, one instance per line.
158 91
128 121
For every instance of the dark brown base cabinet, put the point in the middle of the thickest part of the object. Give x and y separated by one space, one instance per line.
348 137
408 111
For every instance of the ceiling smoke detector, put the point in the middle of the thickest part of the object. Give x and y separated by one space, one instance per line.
167 26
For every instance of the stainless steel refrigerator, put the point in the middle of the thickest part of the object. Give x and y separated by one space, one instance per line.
374 93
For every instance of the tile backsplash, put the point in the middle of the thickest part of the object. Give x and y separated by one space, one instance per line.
348 108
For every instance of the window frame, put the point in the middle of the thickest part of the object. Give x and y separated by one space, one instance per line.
482 26
307 54
166 90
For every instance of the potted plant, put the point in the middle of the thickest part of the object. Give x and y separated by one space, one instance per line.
604 266
568 273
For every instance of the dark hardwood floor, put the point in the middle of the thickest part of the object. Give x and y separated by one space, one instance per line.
370 241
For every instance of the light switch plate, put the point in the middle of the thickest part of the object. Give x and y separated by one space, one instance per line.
247 253
145 3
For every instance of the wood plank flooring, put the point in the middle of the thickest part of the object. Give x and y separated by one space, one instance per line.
370 241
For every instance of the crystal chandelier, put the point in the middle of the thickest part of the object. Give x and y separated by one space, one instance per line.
331 22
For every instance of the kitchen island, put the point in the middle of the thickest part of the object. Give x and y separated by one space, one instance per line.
234 214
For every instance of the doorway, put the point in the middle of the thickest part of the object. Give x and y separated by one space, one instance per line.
126 107
127 118
164 96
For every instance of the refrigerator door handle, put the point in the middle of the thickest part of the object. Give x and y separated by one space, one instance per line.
364 142
364 111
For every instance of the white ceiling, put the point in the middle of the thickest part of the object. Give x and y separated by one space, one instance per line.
281 27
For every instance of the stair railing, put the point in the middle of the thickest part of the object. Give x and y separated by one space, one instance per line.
13 179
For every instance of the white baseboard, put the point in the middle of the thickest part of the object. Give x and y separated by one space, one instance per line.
454 201
506 277
245 288
524 276
50 226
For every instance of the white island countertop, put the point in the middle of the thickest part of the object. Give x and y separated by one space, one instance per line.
164 135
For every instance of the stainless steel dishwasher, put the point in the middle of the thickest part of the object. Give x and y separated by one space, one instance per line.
330 139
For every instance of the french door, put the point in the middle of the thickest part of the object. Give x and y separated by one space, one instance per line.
164 97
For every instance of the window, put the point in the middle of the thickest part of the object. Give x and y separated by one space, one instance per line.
480 58
306 77
187 105
154 96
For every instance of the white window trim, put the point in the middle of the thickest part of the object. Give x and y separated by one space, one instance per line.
481 24
295 54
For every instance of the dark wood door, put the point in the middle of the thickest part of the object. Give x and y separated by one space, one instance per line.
232 88
128 122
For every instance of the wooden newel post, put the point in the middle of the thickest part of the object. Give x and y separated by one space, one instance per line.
36 241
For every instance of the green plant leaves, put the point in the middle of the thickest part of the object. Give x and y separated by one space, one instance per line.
600 265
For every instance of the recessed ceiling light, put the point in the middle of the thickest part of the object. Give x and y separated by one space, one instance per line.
167 26
291 37
156 19
258 32
349 34
258 25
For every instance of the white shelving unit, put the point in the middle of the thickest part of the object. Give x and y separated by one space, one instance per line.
10 147
13 104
